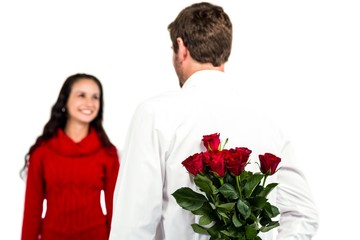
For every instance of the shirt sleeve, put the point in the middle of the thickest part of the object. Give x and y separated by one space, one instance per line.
112 169
299 216
138 200
34 198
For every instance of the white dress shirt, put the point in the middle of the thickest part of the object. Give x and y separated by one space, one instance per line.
168 128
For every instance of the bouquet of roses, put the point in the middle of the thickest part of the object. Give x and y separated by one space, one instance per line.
234 202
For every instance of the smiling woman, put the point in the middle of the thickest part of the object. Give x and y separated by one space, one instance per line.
67 165
82 107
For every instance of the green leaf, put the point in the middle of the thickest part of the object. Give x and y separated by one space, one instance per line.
226 206
258 202
234 233
205 184
199 229
236 221
214 231
205 209
224 213
271 210
265 219
251 231
268 189
229 178
243 208
258 190
228 191
189 199
251 184
229 234
275 211
253 217
205 220
269 226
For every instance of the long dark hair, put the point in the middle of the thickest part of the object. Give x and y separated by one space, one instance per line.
59 117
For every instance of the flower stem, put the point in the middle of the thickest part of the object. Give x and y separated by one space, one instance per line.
238 185
265 179
221 181
213 199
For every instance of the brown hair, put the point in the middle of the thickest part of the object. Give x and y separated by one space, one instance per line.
206 31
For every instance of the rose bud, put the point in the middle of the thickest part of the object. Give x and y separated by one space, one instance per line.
268 163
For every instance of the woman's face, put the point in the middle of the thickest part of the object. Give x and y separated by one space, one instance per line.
84 102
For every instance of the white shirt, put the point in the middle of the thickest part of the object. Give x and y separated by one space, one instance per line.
168 128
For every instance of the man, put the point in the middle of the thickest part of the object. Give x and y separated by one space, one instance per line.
166 129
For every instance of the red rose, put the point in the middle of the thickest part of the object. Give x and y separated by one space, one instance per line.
194 164
212 141
269 163
215 160
236 160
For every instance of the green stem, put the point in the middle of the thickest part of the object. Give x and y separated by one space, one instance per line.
213 199
221 181
265 180
238 185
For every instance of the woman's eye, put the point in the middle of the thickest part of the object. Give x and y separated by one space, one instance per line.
95 97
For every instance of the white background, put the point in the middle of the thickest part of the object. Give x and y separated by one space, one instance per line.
301 60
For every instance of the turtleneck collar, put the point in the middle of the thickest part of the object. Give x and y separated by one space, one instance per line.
63 145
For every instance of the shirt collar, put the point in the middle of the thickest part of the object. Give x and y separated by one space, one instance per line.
204 77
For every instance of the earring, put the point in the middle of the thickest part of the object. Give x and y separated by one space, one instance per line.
63 109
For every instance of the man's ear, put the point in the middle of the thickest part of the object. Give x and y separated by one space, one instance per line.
183 51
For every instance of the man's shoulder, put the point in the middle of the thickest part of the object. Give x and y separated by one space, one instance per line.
162 100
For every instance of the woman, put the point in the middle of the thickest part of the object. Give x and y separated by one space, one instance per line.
69 165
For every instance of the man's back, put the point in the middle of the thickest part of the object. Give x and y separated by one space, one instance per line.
172 126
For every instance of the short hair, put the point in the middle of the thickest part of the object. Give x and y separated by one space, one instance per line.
206 31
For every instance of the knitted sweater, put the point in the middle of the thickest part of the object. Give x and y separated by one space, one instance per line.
70 176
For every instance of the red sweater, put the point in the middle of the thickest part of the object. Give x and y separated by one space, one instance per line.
70 176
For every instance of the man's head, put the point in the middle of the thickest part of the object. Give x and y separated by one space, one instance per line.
205 30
